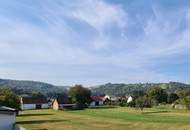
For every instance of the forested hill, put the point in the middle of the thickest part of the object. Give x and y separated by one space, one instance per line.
28 87
127 89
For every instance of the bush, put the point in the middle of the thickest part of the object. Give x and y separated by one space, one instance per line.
131 104
158 94
187 102
172 97
122 103
142 102
184 101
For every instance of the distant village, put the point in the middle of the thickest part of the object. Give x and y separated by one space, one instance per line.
61 102
79 97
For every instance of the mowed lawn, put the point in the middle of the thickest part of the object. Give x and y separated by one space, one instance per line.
120 118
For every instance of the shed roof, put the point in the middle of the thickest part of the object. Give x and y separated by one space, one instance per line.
7 110
63 100
34 100
98 98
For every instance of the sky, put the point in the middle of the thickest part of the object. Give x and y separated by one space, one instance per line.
93 42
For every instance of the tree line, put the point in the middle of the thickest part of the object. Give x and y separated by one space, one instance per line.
78 94
156 95
81 96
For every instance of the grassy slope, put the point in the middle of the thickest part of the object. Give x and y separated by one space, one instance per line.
106 119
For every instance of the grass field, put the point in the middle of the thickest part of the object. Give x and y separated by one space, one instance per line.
120 118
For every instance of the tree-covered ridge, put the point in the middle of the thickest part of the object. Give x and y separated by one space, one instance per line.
128 89
28 87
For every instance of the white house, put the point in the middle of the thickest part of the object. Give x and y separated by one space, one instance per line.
98 100
7 118
130 99
28 103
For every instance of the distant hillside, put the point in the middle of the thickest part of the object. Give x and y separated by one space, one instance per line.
127 89
27 87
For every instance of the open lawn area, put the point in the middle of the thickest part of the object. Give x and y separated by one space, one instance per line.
120 118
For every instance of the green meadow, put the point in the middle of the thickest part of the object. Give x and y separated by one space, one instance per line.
105 118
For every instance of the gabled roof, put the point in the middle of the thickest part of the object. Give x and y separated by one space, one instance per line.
7 110
98 98
34 100
63 100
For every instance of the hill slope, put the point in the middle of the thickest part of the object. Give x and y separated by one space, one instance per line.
127 89
27 87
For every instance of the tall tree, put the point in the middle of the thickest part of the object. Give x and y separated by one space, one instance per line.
183 93
172 97
142 102
80 95
9 98
158 94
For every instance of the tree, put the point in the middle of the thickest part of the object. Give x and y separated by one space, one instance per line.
172 97
80 95
158 94
183 93
187 102
9 98
184 97
142 102
138 93
184 102
37 94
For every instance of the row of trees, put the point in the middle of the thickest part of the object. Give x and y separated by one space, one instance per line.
184 98
78 94
82 97
156 95
151 97
9 98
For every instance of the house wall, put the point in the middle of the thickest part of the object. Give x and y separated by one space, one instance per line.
101 103
55 105
61 105
44 105
7 121
94 103
32 106
28 106
130 99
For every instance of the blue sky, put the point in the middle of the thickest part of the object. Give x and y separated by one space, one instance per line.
93 42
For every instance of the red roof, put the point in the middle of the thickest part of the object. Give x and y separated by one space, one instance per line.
98 98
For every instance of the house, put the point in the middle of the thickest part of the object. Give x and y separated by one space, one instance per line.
33 103
129 99
99 100
62 102
7 118
114 99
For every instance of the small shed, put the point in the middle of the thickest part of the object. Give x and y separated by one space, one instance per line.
7 118
33 103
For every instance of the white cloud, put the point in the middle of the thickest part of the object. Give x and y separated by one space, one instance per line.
163 37
99 14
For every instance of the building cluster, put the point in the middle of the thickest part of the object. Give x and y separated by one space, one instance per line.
63 102
7 115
